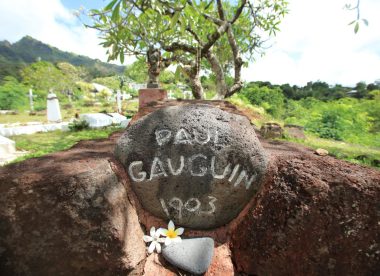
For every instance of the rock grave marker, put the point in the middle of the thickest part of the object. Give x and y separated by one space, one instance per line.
194 164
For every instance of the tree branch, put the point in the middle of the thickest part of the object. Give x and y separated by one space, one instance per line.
220 10
238 11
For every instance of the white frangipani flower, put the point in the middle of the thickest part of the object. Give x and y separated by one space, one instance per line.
154 239
172 234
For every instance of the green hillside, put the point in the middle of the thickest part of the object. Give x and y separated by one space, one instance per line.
27 50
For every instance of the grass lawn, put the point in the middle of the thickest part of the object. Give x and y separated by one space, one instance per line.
129 108
43 143
354 153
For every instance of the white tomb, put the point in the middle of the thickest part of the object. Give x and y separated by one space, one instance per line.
32 128
96 120
7 146
117 118
53 110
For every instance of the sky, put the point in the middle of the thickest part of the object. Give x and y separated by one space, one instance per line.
315 41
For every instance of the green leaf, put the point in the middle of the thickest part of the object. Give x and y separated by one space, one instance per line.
356 29
351 23
121 57
177 73
174 19
110 5
116 13
365 21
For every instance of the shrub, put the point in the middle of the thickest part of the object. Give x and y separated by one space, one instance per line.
271 99
78 125
13 95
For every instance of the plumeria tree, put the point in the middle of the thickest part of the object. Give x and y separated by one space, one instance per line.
215 34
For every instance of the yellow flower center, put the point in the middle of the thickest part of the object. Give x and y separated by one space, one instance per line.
171 234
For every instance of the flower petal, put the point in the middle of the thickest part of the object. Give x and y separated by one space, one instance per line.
176 239
171 225
147 238
164 232
168 241
159 232
179 231
161 240
158 247
151 247
152 231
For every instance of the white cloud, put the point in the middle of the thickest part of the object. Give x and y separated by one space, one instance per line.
315 43
50 22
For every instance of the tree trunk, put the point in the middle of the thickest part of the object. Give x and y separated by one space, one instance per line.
221 86
154 59
196 87
195 81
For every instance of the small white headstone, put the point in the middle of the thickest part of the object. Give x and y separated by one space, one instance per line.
187 94
171 95
118 100
126 96
31 99
53 110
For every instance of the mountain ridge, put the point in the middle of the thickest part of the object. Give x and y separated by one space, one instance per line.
15 56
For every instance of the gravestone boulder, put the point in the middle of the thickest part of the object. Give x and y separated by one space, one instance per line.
194 164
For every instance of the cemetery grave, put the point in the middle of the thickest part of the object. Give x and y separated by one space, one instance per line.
240 203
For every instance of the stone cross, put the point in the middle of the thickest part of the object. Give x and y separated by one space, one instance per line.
118 100
170 95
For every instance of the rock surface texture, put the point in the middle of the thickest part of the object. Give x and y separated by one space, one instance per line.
67 214
74 213
192 255
315 215
195 164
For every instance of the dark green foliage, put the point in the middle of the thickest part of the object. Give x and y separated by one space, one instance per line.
14 57
346 119
13 94
78 125
271 99
332 112
318 90
329 125
137 71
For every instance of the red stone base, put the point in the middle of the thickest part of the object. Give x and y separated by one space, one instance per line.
149 95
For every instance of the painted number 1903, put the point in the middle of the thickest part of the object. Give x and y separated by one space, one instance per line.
192 205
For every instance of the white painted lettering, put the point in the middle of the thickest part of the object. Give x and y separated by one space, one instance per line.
192 205
177 206
182 137
181 165
157 169
243 176
140 176
226 171
201 138
163 136
212 205
232 176
163 204
202 170
190 202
